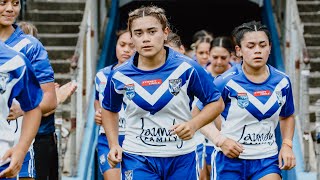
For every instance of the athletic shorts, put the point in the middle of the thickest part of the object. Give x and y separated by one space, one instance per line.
235 168
28 169
181 167
3 167
103 150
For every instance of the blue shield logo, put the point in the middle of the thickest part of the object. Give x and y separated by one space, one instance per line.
243 100
175 86
4 78
279 97
130 93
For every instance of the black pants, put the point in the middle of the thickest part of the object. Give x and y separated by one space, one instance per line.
46 157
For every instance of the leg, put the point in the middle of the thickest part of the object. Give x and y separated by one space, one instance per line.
273 176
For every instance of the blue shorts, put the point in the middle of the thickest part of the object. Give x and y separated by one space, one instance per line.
159 168
200 156
254 169
3 167
103 150
209 151
28 169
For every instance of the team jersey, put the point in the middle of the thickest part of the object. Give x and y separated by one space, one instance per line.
100 82
252 110
16 81
156 100
38 57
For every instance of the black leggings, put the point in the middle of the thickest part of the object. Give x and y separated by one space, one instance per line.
46 157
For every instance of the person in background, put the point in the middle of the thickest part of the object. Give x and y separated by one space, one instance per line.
220 54
256 97
17 80
201 48
174 41
124 50
157 85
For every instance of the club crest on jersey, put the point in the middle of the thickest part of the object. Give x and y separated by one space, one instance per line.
130 93
175 86
279 97
102 159
4 78
128 174
243 100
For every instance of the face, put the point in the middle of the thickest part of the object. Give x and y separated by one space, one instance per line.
124 47
220 58
9 11
255 49
202 53
148 36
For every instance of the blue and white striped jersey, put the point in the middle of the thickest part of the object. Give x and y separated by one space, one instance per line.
33 49
100 84
252 110
18 81
157 99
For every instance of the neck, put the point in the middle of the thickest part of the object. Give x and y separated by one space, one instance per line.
256 75
150 63
5 32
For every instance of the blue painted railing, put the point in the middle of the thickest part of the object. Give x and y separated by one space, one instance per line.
87 166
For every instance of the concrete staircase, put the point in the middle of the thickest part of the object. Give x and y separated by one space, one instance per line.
309 11
58 24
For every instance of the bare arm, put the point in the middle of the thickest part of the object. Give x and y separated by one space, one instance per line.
49 101
286 157
97 115
110 123
186 130
30 125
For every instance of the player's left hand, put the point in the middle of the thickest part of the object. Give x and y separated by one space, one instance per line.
17 157
15 111
286 157
185 131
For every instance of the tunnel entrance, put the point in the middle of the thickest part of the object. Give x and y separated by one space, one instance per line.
186 17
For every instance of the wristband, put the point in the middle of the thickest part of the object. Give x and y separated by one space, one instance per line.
287 142
219 140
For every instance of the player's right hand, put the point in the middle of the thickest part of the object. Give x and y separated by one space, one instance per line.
231 148
115 156
98 117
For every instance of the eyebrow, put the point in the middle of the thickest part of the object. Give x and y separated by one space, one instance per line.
148 29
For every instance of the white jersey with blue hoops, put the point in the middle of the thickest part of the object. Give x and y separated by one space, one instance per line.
16 81
100 84
252 110
156 100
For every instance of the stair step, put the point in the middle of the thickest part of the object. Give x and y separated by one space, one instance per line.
60 39
314 79
313 51
63 5
314 94
61 66
60 52
310 16
54 15
308 6
315 64
62 78
311 28
312 39
57 27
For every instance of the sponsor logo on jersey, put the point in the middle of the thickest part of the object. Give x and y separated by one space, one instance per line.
262 93
175 86
128 175
279 97
250 137
151 82
243 100
158 136
4 78
130 93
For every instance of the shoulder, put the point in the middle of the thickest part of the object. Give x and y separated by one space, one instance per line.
231 73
